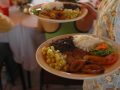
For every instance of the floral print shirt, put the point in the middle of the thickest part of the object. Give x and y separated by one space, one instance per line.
111 81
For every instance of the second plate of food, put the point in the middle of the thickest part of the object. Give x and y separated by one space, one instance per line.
79 56
59 12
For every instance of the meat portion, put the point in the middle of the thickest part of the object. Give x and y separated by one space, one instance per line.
76 66
93 69
76 54
95 59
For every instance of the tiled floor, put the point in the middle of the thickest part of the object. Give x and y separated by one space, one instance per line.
35 84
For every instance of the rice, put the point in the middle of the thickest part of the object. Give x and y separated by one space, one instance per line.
86 42
52 5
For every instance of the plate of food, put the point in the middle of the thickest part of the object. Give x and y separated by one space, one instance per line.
59 12
79 56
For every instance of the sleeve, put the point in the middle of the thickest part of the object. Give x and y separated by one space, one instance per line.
117 26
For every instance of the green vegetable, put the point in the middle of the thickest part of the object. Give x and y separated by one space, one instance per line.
102 52
36 12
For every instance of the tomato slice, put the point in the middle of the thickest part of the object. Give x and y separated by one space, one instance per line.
111 59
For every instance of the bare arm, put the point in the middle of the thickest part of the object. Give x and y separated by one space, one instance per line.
5 23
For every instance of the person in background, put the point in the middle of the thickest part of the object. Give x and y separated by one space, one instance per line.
4 6
80 26
108 25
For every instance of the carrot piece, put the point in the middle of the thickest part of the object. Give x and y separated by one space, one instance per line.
102 46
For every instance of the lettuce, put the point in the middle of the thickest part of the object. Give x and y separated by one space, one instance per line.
102 52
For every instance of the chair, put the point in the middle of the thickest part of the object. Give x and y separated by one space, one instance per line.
12 69
47 78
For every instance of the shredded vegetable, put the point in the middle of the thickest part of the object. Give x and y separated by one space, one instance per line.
102 52
36 12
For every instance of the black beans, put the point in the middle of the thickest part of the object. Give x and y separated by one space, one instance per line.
63 45
71 6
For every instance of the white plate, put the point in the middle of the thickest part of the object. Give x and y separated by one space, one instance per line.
82 15
45 66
